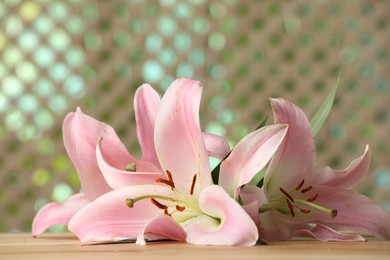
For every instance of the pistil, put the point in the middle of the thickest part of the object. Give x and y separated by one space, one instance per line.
130 202
330 212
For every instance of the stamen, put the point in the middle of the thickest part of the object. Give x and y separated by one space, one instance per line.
307 189
170 176
333 213
286 194
158 204
131 167
167 182
180 208
130 203
311 199
166 212
290 206
193 184
300 185
305 211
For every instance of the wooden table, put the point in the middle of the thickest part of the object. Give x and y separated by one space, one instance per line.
66 246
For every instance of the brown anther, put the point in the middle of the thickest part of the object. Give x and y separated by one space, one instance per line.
166 212
305 211
290 206
130 203
311 199
287 194
333 214
167 182
307 189
158 204
169 176
193 184
180 208
300 185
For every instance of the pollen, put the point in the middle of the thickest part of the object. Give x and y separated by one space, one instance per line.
291 208
307 189
169 176
300 185
167 213
313 198
180 208
168 182
305 211
193 184
158 204
287 194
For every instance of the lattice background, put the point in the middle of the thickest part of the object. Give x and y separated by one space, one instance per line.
56 55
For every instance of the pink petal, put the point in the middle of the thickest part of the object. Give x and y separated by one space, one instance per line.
112 166
162 227
325 233
355 212
179 143
226 223
295 158
58 213
250 198
216 146
81 133
249 156
146 104
273 228
108 218
347 178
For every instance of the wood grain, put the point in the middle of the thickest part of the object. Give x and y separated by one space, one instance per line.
66 246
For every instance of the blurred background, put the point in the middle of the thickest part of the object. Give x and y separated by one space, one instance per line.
57 55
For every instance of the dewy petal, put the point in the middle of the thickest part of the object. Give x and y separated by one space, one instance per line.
216 146
295 157
178 138
355 212
108 218
324 233
81 133
146 104
58 213
112 166
347 178
249 156
162 227
226 222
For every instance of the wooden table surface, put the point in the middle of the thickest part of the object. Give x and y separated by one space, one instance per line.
66 246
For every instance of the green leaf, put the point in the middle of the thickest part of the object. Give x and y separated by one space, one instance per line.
258 178
322 113
215 172
262 123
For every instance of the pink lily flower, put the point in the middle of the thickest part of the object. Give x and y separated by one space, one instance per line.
184 204
300 199
98 175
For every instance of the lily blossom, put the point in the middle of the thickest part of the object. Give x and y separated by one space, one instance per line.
81 134
184 203
100 173
301 199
